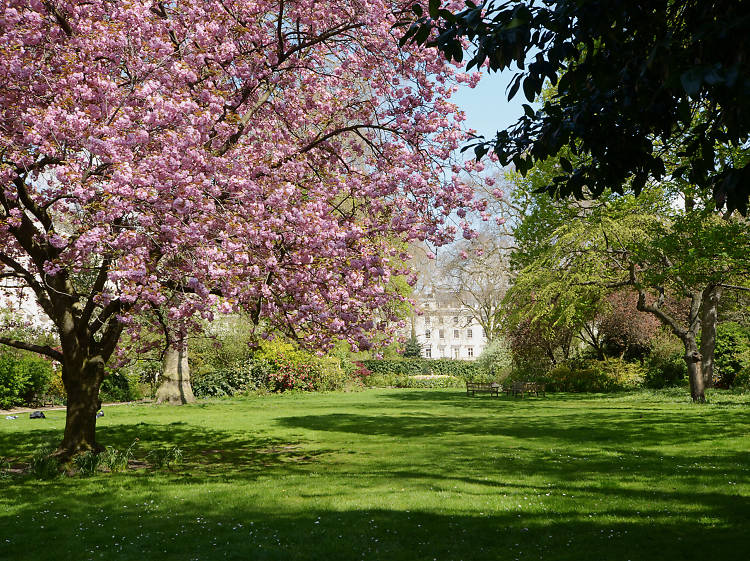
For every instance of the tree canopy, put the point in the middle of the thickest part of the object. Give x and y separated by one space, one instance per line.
196 156
635 81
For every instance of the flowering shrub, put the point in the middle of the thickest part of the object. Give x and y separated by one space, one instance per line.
288 374
361 374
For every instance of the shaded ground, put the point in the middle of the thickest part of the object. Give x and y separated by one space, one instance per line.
397 475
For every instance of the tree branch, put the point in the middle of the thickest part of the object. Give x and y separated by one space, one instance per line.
41 349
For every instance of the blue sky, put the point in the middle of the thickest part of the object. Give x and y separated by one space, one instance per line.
487 107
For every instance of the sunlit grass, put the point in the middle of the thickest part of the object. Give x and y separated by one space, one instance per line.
396 475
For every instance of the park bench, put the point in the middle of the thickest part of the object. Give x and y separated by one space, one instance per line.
42 400
520 388
492 389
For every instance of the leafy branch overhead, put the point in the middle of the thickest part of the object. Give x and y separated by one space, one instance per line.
634 80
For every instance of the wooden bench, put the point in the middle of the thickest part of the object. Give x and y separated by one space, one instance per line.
520 388
492 389
42 400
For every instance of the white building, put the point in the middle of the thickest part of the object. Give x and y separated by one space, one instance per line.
18 305
446 329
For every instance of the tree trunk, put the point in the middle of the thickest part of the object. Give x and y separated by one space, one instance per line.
82 387
175 388
709 317
693 361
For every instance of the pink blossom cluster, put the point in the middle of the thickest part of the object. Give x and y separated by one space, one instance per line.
215 156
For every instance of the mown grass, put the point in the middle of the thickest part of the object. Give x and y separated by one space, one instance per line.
397 475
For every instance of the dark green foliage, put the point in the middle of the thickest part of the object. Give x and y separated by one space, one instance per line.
665 365
732 353
22 377
412 348
228 381
661 373
742 380
120 386
630 77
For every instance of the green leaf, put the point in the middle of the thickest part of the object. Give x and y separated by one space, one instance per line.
530 88
434 7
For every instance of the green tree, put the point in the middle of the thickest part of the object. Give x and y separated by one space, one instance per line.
412 348
631 77
675 260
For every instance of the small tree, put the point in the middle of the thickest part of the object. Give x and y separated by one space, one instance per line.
412 348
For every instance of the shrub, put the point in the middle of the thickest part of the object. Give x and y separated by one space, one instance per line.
496 361
462 369
596 376
732 352
120 385
56 388
742 379
290 368
665 366
239 378
415 381
22 376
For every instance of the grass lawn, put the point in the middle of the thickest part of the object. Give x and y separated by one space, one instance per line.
397 475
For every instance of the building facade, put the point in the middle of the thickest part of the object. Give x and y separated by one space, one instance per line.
446 329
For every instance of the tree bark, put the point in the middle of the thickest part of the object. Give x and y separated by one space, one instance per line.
693 361
709 318
175 388
82 382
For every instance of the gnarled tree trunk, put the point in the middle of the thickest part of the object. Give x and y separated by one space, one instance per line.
175 386
709 318
693 361
82 380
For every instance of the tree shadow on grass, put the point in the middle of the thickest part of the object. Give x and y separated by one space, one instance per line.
215 506
208 453
582 427
162 529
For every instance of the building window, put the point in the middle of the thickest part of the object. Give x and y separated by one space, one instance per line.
455 320
484 333
440 320
469 333
427 320
441 333
427 333
428 352
455 352
456 334
442 352
470 352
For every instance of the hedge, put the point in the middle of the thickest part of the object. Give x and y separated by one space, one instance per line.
462 369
